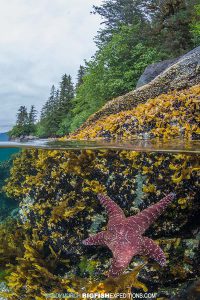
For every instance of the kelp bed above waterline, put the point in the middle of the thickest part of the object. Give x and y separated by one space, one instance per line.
175 114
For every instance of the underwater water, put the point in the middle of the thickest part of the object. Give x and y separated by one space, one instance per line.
6 152
6 205
53 196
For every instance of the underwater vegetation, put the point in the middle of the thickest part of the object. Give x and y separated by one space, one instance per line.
11 242
59 207
56 219
6 204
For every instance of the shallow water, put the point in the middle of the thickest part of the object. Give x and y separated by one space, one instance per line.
50 194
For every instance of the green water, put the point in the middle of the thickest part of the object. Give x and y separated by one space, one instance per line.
6 153
7 205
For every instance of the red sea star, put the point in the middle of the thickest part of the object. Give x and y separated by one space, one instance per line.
124 236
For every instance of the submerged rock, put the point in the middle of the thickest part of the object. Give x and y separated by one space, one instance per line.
64 187
191 291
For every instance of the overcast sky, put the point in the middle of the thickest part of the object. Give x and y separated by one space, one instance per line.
39 41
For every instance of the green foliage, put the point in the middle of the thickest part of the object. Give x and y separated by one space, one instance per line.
48 125
41 130
57 110
166 24
66 95
171 20
116 13
79 118
80 75
113 71
65 124
25 124
195 27
32 115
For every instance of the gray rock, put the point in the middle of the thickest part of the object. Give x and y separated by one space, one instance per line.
24 139
153 70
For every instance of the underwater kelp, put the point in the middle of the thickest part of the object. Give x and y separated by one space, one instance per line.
176 114
59 206
11 241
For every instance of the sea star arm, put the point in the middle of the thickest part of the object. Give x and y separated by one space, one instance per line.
119 264
152 250
111 207
96 239
144 219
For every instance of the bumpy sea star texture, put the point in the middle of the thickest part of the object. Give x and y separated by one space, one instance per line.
124 236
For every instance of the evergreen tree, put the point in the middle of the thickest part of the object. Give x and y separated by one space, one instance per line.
32 117
64 111
56 113
49 105
52 99
171 22
116 13
165 24
66 91
80 75
65 97
57 96
21 127
48 124
22 116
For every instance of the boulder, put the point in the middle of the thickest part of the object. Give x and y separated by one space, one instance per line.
182 74
153 70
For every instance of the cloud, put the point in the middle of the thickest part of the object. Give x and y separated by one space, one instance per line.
39 41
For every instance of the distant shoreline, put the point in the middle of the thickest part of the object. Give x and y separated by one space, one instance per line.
23 139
